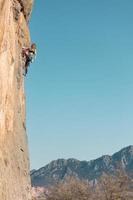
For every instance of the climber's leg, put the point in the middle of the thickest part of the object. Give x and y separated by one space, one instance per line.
26 70
27 63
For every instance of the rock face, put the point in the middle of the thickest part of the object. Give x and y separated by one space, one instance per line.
14 160
59 169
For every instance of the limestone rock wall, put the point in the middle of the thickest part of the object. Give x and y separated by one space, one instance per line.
14 160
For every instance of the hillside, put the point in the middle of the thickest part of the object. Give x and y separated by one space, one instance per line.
14 159
59 169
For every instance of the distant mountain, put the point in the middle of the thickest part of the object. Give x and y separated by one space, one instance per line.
90 170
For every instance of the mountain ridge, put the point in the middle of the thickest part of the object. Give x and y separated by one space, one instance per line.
59 169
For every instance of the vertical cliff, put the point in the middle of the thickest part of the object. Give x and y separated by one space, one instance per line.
14 160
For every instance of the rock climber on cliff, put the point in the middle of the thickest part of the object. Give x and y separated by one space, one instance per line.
29 56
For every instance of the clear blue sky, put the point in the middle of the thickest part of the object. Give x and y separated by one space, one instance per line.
80 88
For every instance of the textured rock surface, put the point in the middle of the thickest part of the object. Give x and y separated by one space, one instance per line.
14 161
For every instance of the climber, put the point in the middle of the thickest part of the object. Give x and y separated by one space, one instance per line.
29 55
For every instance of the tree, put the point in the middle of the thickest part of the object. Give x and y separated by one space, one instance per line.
71 189
114 187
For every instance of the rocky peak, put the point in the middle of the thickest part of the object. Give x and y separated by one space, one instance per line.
124 157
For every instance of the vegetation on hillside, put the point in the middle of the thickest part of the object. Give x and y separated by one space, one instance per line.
108 187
